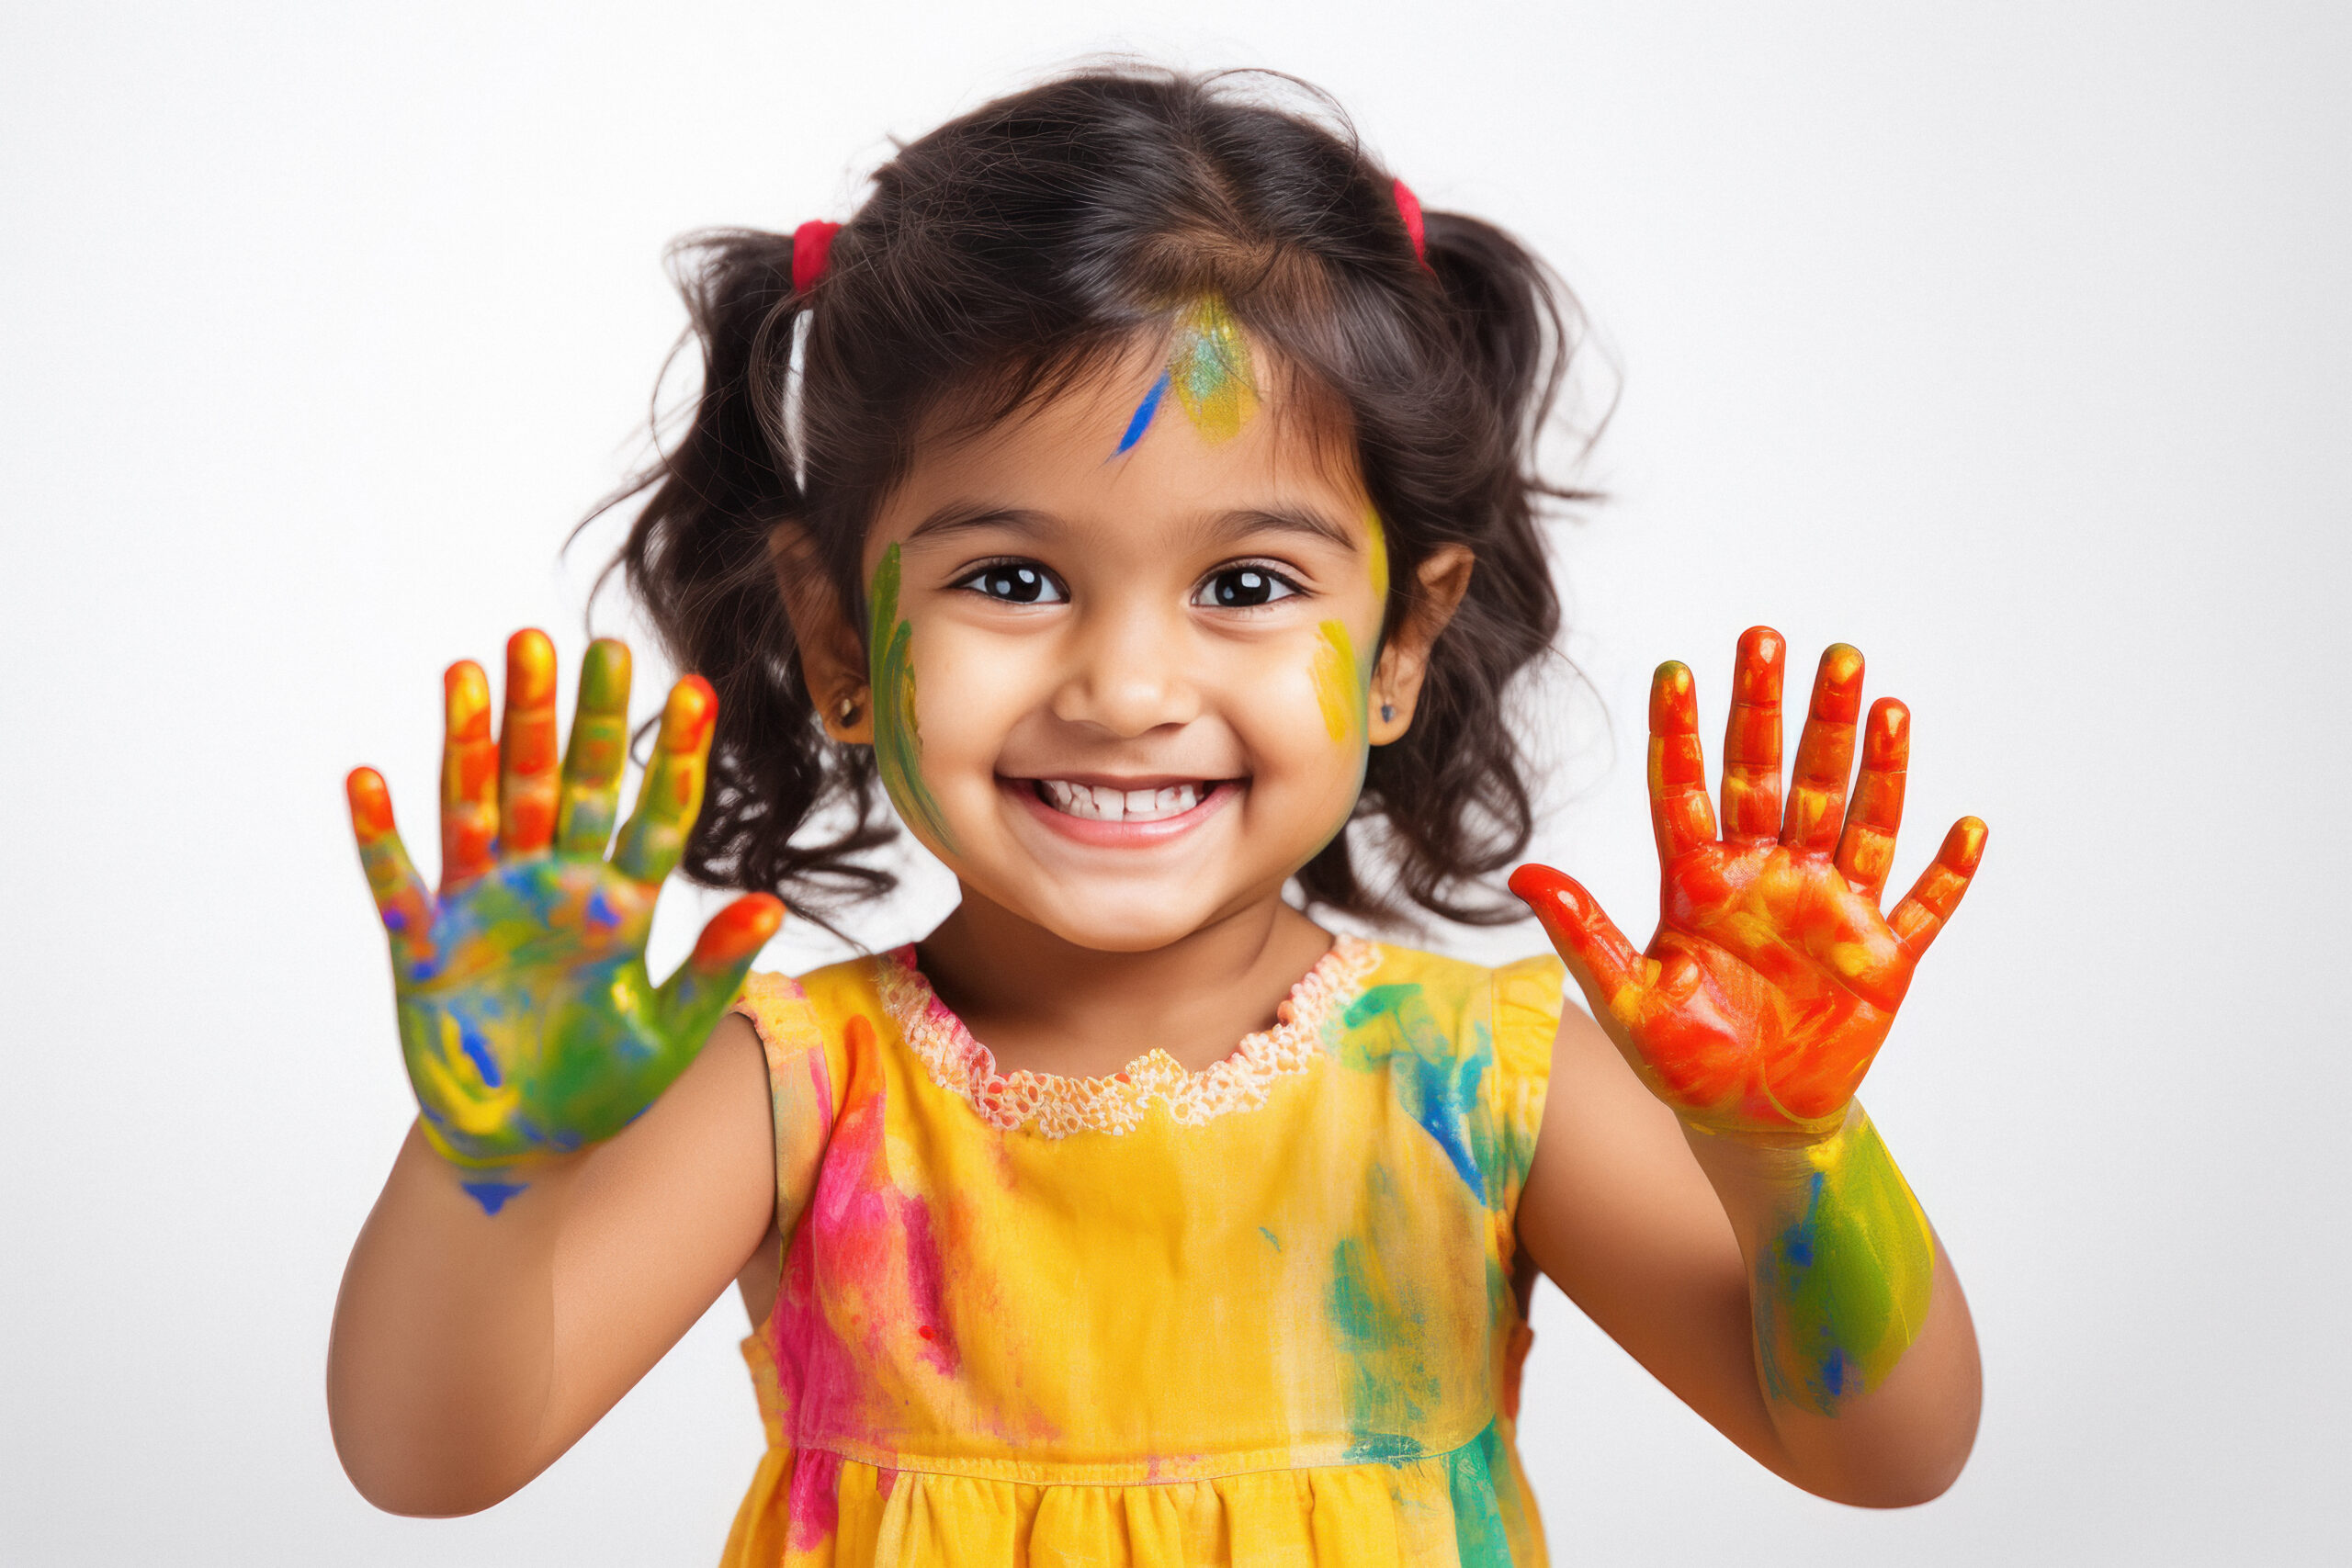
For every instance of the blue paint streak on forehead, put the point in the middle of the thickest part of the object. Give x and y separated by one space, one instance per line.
1142 419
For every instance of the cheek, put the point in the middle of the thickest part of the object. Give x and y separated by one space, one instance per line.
1303 722
971 691
1339 683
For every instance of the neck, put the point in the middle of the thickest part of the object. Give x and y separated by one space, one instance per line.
1040 1001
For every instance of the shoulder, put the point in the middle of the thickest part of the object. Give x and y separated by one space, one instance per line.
1513 1010
805 1021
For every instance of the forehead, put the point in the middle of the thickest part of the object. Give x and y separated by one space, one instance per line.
1074 450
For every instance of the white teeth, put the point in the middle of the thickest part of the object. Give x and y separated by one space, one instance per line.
1096 804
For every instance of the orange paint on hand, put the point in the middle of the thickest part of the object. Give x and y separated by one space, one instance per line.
468 774
1772 979
526 746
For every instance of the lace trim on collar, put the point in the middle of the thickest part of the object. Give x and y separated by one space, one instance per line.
1057 1106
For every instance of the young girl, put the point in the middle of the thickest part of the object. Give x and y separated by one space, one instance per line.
1138 486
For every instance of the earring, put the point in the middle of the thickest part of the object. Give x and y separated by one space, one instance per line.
847 711
1387 713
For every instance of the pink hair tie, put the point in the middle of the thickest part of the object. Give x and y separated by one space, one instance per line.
812 245
1408 208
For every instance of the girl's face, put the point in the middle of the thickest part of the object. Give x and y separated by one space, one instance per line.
1121 644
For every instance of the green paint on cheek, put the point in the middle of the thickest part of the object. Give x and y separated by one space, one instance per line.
898 740
1843 1289
1340 688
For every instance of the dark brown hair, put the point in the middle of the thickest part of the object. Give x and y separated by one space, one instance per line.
1008 251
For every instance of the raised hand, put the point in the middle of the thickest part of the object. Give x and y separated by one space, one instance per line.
528 1019
1773 978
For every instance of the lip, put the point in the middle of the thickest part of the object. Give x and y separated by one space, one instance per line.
1123 835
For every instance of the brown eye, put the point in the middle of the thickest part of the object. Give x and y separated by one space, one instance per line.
1243 588
1015 582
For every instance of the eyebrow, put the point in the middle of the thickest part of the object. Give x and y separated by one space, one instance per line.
963 516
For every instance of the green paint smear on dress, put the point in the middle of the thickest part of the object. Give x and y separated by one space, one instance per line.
1377 1329
1480 1540
1842 1290
898 740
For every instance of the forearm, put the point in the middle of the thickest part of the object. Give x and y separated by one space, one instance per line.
441 1372
1864 1354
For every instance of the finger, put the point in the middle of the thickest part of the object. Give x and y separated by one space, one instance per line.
469 775
693 998
1866 848
599 751
1680 813
1824 753
1612 973
1752 737
527 778
1924 909
402 900
671 797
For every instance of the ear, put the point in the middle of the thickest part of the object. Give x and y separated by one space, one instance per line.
832 659
1444 577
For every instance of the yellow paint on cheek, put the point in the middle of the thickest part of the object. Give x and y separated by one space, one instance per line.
1339 685
1379 556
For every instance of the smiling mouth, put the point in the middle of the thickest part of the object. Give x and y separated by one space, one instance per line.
1106 803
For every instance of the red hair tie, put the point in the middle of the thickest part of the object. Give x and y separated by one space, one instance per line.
812 246
1408 208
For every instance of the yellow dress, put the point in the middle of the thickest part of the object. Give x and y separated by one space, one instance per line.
1271 1313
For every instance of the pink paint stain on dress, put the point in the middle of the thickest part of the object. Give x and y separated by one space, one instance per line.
870 1253
815 1487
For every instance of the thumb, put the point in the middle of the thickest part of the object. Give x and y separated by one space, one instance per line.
692 1000
1612 972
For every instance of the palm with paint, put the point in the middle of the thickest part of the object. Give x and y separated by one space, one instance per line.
528 1022
1773 978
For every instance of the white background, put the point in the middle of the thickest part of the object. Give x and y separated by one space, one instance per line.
2008 341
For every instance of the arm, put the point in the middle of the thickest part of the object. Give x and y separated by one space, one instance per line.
1654 1235
471 1349
584 1177
1726 1211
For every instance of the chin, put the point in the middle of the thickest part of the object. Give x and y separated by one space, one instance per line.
1132 919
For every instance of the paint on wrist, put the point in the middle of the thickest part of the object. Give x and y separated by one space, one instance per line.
1842 1286
898 740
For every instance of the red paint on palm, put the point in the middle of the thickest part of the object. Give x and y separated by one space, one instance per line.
1772 979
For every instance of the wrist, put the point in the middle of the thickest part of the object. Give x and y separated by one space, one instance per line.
492 1183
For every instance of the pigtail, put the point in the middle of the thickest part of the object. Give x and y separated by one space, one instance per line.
702 557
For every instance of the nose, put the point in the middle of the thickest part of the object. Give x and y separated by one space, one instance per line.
1128 672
